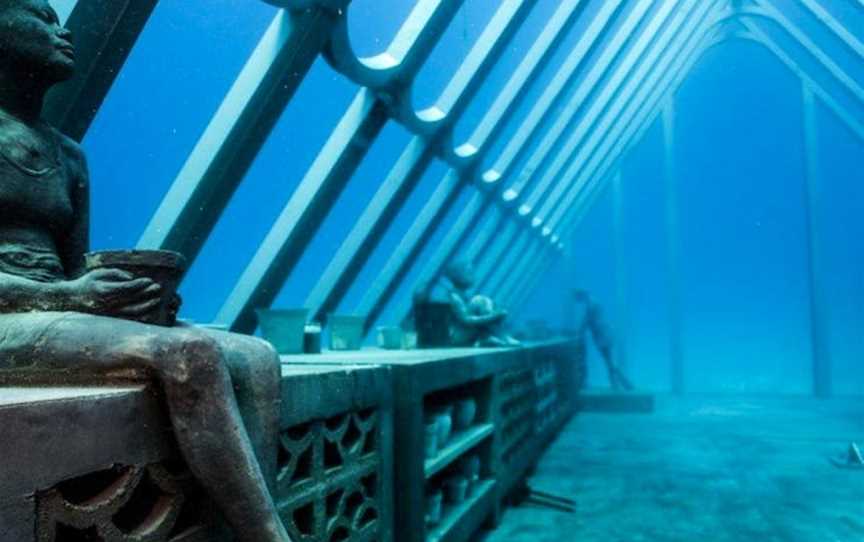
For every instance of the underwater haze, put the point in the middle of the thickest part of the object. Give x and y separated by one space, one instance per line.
706 187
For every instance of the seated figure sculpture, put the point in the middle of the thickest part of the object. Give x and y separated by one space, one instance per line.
60 323
470 320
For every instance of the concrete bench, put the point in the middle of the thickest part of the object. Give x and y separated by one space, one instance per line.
100 463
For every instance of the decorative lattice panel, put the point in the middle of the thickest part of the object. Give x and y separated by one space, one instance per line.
329 479
548 406
154 503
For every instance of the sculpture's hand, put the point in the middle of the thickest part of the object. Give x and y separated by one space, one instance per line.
111 292
174 307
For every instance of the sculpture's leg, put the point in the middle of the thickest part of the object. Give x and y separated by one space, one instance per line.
257 378
198 390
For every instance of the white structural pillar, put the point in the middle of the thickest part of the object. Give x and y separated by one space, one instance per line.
818 303
673 250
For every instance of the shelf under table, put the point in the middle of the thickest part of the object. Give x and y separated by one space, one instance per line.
460 512
460 443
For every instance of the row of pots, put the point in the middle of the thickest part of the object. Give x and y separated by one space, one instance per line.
442 422
454 490
289 332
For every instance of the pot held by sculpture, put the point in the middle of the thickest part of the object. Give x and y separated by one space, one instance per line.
163 267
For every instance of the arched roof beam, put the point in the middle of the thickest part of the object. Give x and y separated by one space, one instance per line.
393 70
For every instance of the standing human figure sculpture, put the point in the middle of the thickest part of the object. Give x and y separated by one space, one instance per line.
56 319
592 321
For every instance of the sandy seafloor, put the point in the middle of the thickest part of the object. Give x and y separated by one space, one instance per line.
701 469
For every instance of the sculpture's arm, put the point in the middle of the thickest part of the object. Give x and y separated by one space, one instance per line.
18 294
460 311
77 243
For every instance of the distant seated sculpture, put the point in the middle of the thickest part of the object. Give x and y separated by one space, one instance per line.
592 321
445 315
60 323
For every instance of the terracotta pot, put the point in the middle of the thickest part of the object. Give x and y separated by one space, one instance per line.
162 266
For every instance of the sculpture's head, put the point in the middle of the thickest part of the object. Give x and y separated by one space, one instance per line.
461 274
33 44
580 296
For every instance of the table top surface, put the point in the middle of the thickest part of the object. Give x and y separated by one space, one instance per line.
403 357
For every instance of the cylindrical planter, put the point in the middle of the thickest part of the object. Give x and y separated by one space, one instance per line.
346 331
284 328
390 337
162 266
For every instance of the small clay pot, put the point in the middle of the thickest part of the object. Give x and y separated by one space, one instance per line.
163 267
456 489
464 414
434 507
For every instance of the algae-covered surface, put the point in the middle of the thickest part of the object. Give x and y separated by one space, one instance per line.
701 469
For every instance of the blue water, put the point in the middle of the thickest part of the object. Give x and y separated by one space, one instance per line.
743 276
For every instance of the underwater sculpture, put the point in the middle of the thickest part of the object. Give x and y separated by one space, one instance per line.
61 323
462 321
593 321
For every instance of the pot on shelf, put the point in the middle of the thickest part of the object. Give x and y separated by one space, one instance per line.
445 425
464 414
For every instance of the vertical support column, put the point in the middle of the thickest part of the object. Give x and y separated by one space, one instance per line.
621 277
818 303
673 249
